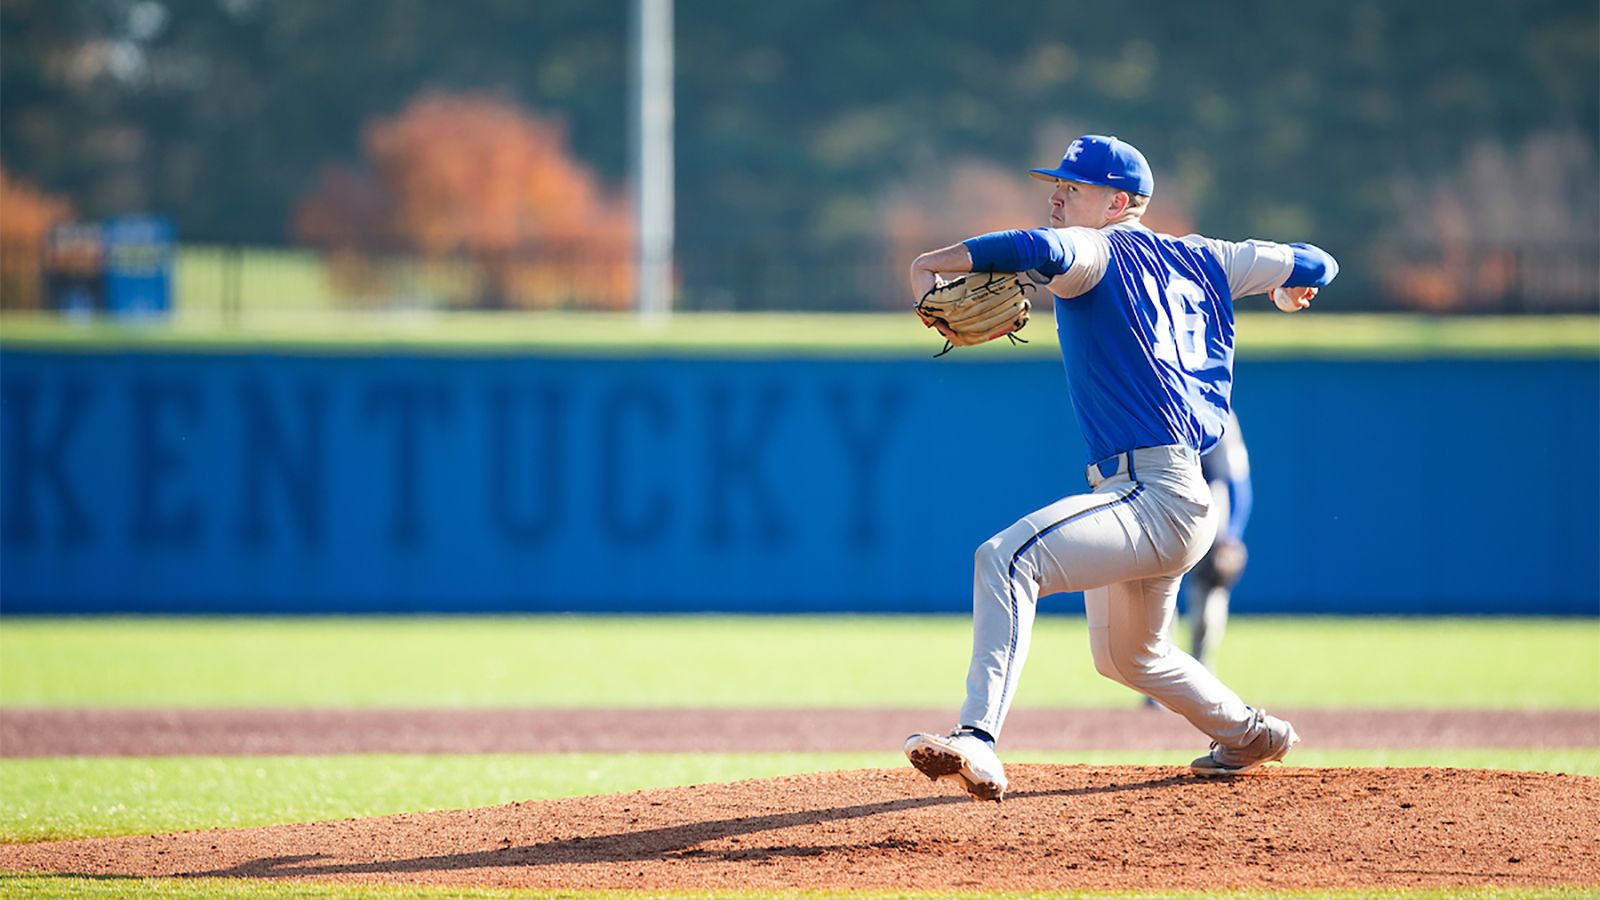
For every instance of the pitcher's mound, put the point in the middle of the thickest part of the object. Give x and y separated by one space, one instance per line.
1102 827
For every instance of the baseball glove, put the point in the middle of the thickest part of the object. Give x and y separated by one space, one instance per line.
977 308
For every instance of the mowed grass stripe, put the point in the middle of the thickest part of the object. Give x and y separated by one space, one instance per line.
59 798
1260 334
778 662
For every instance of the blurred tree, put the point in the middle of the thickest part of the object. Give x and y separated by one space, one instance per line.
1508 226
797 121
221 112
472 176
26 217
28 213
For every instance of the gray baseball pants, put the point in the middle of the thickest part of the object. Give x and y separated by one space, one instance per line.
1126 545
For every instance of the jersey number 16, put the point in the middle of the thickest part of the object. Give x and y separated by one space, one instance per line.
1180 321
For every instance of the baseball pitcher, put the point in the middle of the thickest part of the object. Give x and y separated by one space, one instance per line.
1145 324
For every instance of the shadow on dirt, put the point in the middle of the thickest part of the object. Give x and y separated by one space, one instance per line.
679 841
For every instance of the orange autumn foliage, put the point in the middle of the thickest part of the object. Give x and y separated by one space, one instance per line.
26 216
469 178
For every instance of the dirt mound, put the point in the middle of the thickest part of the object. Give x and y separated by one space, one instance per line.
1101 827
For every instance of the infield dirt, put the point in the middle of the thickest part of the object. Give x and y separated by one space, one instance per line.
1109 827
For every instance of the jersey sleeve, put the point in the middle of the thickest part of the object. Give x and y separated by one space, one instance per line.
1091 256
1313 267
1253 267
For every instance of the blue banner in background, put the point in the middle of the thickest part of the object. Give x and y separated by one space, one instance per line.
138 266
291 483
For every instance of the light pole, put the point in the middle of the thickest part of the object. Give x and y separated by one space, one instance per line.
652 155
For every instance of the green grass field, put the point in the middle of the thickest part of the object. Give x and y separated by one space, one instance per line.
758 661
314 329
664 662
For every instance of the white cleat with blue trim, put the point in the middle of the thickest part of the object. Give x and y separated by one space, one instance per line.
962 756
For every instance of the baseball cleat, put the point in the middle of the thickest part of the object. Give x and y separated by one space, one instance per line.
1270 745
960 756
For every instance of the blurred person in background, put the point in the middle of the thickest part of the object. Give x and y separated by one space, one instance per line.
1209 585
1145 323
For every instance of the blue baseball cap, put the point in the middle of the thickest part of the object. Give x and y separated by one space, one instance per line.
1098 159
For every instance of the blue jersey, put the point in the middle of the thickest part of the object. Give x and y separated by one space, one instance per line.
1146 333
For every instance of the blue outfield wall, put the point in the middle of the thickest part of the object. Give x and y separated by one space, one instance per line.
292 483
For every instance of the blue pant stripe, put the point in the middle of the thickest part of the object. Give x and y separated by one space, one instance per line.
1011 579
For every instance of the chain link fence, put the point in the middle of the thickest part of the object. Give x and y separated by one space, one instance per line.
233 282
